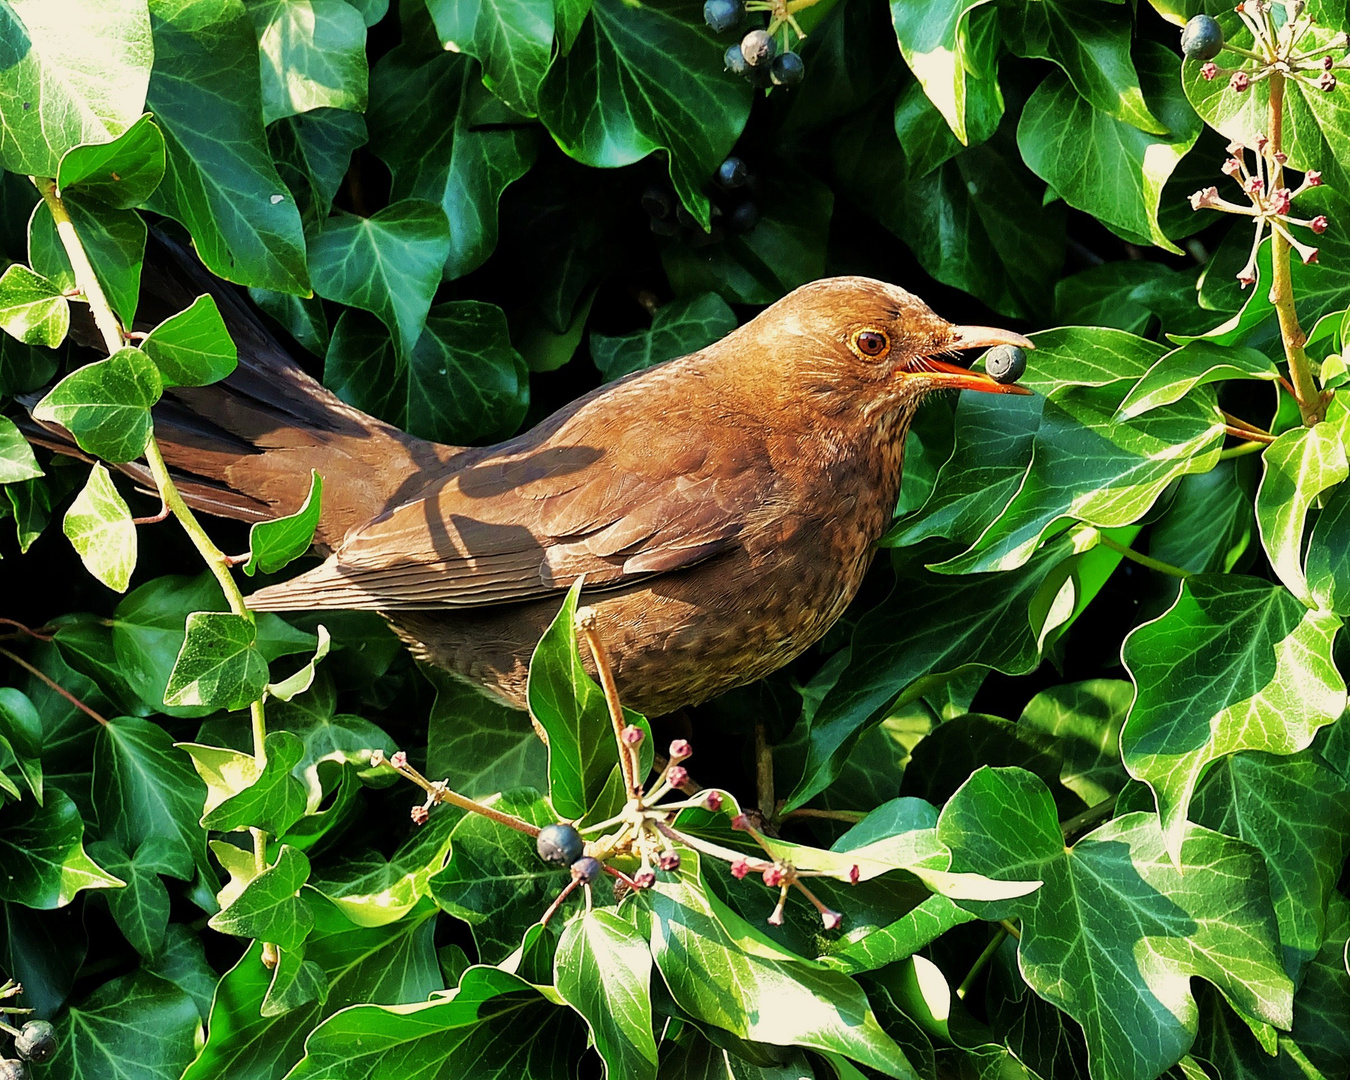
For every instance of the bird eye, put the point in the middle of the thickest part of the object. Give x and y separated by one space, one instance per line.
871 343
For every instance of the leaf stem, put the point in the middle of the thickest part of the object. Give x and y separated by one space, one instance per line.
850 816
1311 405
1246 425
53 684
1248 435
1242 449
1142 560
586 624
764 772
85 278
999 937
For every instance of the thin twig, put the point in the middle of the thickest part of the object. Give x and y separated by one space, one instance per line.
1246 425
586 623
764 772
39 634
1248 436
850 816
54 685
1143 560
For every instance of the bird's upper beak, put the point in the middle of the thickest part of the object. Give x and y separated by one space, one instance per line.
959 378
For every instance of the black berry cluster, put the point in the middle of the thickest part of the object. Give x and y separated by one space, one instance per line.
756 57
734 209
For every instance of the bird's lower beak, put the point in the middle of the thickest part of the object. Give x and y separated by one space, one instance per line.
975 337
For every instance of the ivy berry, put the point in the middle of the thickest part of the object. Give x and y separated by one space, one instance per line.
1202 38
13 1069
758 49
787 70
732 173
587 870
1005 363
36 1042
559 845
722 15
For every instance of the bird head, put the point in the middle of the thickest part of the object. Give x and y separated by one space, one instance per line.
855 339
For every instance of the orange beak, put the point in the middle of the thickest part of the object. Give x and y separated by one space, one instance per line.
947 375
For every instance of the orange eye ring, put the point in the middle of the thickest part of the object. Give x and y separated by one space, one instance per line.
871 344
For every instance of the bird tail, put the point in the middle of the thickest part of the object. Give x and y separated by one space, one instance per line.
243 448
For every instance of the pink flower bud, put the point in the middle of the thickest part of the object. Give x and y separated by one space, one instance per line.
774 875
680 749
740 823
713 800
1312 178
1208 70
1236 148
1261 143
399 760
1279 200
776 917
1239 82
420 815
669 860
832 919
739 869
1328 63
633 735
1207 197
1246 277
645 878
377 757
1309 256
677 775
1319 224
1255 185
854 874
1231 167
1281 158
1326 81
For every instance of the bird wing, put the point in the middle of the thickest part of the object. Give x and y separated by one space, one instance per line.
525 522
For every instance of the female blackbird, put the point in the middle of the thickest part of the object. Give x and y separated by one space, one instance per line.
722 507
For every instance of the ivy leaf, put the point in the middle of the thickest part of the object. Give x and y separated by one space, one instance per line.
295 982
642 79
106 405
73 73
21 731
1299 466
313 55
32 308
1100 939
462 165
121 174
463 383
242 792
1092 46
1209 524
603 970
142 908
273 544
300 316
513 39
138 1025
220 182
495 881
1104 166
1235 664
144 789
1085 719
99 527
114 240
219 665
679 328
1182 370
721 970
313 152
479 745
270 907
43 853
570 707
1328 562
295 685
17 462
388 264
192 348
934 41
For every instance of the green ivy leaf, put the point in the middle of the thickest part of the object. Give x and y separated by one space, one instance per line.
463 383
1328 561
513 39
570 706
1100 939
603 970
388 264
495 881
643 79
32 308
43 853
21 731
121 174
144 789
29 500
1084 719
99 527
1105 166
294 685
142 908
1235 664
300 316
72 73
270 907
220 181
1299 465
723 971
446 156
273 544
1209 525
137 1025
479 745
114 240
106 405
935 42
17 462
243 792
1110 294
295 982
313 152
313 55
219 665
192 348
679 328
1182 370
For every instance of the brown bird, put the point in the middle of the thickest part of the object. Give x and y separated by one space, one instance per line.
723 506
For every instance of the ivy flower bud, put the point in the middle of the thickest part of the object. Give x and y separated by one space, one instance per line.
1239 82
1205 198
1231 167
633 735
1327 63
376 757
1255 185
1208 70
677 775
854 874
774 875
739 869
1280 157
668 860
1326 81
1312 178
1319 224
740 823
713 800
399 760
832 919
645 878
680 749
420 815
1279 200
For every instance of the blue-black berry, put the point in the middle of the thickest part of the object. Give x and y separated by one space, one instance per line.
658 202
559 845
744 218
36 1042
722 15
586 870
732 173
1005 363
734 60
1201 38
758 48
787 70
